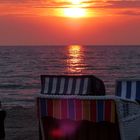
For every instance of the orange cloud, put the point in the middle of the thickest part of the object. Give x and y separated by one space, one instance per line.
62 3
130 12
36 7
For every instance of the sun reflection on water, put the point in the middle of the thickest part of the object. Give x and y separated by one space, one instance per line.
76 59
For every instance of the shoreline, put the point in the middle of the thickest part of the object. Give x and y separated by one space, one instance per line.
21 124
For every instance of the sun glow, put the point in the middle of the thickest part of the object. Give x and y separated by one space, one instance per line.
74 12
75 2
75 9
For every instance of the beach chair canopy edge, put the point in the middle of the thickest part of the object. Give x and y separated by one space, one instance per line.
78 84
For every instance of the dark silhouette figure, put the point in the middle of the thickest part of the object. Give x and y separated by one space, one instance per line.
2 118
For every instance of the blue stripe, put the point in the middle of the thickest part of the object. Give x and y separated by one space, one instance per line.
73 86
119 87
100 110
43 107
66 85
138 90
71 109
89 86
58 85
81 86
50 85
128 91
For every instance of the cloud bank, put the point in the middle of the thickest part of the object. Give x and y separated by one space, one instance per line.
63 3
17 7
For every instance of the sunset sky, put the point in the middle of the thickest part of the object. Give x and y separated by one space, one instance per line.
64 22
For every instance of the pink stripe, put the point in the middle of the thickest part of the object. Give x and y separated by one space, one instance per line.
78 109
64 109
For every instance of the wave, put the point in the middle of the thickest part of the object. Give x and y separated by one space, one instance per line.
18 86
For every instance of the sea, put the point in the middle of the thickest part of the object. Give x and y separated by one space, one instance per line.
21 67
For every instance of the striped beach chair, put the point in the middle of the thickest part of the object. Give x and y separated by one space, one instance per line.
129 110
128 89
78 109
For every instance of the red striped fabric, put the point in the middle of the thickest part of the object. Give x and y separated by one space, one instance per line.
78 106
50 107
85 110
64 106
57 108
107 110
80 110
93 113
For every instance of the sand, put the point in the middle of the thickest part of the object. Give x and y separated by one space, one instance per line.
21 124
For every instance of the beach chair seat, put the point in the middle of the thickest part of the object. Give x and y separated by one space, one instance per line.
128 89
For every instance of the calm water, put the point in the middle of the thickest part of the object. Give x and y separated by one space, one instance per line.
21 67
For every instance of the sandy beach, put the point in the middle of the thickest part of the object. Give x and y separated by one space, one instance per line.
21 124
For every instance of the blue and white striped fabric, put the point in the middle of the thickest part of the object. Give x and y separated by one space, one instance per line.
128 89
65 85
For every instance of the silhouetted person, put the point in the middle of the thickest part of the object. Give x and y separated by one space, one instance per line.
2 118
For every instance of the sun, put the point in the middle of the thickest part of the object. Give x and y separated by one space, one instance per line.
74 12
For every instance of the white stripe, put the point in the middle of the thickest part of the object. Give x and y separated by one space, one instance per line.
46 88
62 82
123 90
85 86
70 85
133 90
77 85
54 86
